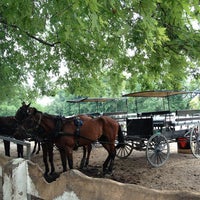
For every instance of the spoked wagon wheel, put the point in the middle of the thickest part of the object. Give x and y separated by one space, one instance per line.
195 140
157 150
124 152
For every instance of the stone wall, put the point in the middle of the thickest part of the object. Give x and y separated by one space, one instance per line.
22 179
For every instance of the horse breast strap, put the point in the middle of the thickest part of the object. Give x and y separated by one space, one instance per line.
78 123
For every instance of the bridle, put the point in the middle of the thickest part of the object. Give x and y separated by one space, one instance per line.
33 126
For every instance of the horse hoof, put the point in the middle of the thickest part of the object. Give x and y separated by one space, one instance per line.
51 177
48 178
55 175
81 167
107 173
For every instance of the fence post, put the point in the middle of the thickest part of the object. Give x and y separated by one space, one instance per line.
15 180
24 143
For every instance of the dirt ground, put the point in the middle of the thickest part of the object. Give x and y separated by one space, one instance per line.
180 172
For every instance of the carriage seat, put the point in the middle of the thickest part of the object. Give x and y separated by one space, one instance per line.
151 114
158 123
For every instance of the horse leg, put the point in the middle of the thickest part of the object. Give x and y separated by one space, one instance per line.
103 141
20 150
105 164
63 159
53 174
83 158
7 147
47 148
34 148
44 149
38 143
50 152
89 149
69 152
110 159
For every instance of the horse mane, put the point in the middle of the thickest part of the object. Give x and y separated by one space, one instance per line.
34 111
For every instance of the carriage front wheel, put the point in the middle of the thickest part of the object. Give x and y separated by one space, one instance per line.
195 140
157 150
126 150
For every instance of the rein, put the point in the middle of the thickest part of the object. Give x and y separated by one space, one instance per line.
60 134
39 121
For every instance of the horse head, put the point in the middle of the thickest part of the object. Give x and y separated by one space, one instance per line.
31 126
22 112
31 111
27 128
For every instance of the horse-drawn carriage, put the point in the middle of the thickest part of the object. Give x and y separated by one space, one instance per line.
150 131
153 131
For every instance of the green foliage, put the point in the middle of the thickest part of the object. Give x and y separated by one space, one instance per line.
92 38
61 106
195 102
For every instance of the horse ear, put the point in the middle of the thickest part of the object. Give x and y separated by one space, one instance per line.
29 111
28 104
34 110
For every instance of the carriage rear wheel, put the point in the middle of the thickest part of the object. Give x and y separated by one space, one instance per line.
195 140
157 150
126 150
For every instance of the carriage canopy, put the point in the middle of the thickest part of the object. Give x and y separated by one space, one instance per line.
162 93
161 98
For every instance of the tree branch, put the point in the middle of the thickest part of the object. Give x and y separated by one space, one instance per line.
29 35
42 41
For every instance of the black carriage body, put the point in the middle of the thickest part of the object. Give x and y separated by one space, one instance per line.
140 128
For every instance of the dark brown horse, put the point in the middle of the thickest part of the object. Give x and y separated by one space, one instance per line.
47 149
47 145
8 127
64 133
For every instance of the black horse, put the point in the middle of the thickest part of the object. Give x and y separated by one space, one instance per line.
8 127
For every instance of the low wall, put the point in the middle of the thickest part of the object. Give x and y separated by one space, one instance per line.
22 179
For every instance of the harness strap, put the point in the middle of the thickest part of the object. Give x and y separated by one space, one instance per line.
38 124
78 123
58 126
72 134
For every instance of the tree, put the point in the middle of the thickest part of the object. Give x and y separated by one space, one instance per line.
92 39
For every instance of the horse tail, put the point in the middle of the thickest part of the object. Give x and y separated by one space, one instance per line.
120 138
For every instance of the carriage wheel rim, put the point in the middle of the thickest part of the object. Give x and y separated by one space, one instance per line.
157 152
195 140
124 152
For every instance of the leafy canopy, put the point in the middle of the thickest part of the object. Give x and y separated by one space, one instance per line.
105 47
